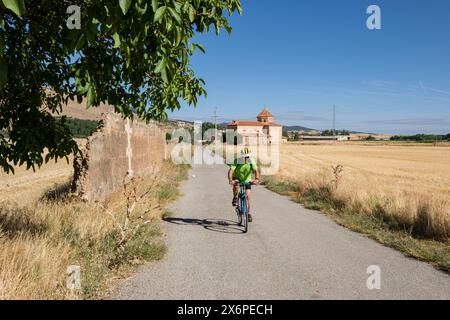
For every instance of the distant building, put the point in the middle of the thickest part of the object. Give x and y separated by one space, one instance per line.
325 138
364 136
264 126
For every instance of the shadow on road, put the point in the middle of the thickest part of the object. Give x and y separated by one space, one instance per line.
224 226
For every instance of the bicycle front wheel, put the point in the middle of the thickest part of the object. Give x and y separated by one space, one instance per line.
239 214
245 214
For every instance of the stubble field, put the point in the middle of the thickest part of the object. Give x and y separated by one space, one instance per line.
408 185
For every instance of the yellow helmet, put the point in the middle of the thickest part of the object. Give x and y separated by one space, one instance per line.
246 153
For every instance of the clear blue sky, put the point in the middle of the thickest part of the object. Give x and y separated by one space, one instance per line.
301 57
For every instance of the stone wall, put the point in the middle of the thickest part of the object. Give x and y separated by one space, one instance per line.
117 147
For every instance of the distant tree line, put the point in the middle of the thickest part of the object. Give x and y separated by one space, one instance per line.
295 136
421 138
335 132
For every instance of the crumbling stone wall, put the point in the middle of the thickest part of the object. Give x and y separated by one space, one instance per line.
117 147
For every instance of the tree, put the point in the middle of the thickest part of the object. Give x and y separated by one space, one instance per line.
370 138
332 132
207 126
132 54
328 133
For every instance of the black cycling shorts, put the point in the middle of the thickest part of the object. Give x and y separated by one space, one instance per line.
248 186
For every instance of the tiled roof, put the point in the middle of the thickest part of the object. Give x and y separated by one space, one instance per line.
265 113
246 123
252 124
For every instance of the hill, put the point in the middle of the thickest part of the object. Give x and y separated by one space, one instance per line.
297 128
78 111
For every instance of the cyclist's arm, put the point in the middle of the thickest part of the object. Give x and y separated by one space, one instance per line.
257 174
230 175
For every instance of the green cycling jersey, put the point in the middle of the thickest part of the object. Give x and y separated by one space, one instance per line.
243 171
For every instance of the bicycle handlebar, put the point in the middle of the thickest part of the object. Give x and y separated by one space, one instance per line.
243 184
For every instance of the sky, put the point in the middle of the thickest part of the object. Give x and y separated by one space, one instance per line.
299 58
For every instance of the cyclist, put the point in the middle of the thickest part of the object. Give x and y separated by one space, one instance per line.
241 171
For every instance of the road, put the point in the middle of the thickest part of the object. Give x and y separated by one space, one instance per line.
289 253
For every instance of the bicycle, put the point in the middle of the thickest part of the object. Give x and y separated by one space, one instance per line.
242 209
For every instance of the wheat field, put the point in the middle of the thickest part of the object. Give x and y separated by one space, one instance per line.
407 183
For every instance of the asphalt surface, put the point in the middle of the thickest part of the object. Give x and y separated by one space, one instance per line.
289 253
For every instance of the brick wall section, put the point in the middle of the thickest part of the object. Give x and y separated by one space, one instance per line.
106 160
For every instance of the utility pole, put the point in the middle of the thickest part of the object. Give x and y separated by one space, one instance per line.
334 122
215 125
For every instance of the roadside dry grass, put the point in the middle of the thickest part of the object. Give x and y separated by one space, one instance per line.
41 239
398 195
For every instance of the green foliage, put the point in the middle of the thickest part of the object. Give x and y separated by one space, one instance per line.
370 138
80 128
206 126
16 6
133 54
422 138
336 132
279 186
292 136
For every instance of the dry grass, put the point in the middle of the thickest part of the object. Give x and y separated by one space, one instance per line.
395 194
408 186
41 238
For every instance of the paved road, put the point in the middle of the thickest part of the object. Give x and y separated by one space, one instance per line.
289 253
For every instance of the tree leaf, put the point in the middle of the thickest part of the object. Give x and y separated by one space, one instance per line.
192 13
16 6
116 38
141 10
80 42
161 65
159 14
127 52
3 73
125 5
202 49
164 75
197 4
178 36
90 97
155 5
175 15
